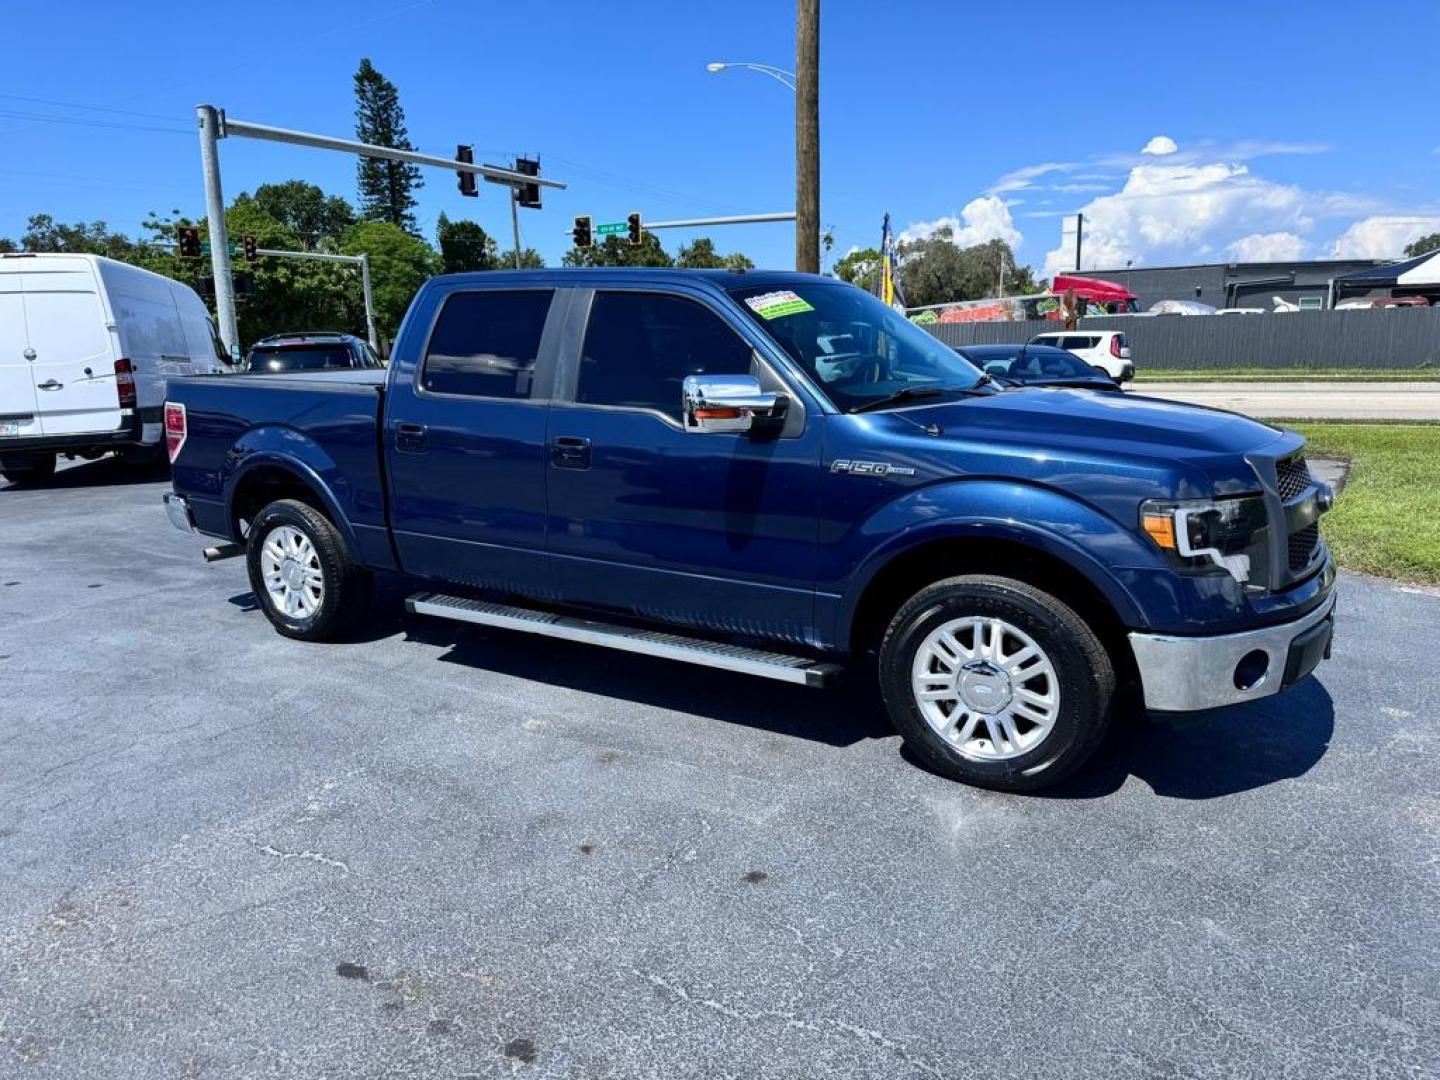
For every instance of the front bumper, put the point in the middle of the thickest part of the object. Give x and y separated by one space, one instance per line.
177 509
1185 674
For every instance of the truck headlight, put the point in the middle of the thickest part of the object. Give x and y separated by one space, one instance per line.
1231 534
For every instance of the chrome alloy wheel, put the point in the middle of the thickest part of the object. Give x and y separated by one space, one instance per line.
985 687
290 567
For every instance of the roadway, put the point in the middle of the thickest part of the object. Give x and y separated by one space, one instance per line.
1319 400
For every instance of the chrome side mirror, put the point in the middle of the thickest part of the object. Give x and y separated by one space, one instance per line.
719 403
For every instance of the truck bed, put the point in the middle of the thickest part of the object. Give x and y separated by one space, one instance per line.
325 421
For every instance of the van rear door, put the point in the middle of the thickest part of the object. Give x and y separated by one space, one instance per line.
17 386
74 364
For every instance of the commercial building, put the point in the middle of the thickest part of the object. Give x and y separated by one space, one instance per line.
1237 285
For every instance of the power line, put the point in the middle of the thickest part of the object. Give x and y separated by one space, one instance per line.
87 108
42 118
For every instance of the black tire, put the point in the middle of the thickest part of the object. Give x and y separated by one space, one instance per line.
345 585
28 468
1080 662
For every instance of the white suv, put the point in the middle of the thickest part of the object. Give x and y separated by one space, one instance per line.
1108 350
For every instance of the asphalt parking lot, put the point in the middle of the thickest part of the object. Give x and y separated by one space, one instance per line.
451 852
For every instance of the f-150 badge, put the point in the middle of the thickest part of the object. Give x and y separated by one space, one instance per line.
870 468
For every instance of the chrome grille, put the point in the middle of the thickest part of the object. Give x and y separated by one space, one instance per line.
1292 477
1302 546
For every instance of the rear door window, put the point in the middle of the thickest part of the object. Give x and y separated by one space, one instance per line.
485 344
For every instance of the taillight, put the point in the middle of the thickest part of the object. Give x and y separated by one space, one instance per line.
125 383
175 425
1115 346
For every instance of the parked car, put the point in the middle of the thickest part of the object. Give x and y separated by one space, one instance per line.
1037 365
315 351
776 474
1108 350
86 347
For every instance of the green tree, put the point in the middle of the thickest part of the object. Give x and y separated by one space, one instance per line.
617 252
1424 246
859 267
934 270
44 234
700 254
399 265
307 211
387 188
6 244
464 245
530 259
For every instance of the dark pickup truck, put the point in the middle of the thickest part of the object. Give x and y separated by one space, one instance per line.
776 474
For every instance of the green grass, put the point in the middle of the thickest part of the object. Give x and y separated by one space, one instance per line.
1255 374
1387 519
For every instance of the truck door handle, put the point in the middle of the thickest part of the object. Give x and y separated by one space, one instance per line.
410 437
50 384
570 452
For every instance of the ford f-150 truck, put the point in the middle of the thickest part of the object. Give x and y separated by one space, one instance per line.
776 474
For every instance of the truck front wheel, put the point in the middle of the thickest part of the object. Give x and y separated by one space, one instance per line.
996 683
301 572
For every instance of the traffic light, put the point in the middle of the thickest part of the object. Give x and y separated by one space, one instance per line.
581 234
528 195
187 241
634 222
467 185
249 247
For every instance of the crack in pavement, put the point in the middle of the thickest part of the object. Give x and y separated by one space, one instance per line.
820 1026
309 856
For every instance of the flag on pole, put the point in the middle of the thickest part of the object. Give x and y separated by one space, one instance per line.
890 291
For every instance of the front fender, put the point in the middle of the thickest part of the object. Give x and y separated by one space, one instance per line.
281 447
1086 540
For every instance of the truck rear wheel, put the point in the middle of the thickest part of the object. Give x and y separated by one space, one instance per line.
996 683
302 573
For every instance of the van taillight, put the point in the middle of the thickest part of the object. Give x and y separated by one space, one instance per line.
125 383
175 425
1115 346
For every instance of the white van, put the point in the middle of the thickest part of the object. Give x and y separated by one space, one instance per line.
86 345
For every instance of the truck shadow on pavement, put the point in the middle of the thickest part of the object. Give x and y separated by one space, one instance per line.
840 716
1211 754
1198 756
109 471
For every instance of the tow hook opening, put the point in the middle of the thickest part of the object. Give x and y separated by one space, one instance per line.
1250 672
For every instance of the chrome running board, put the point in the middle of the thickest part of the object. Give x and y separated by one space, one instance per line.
768 665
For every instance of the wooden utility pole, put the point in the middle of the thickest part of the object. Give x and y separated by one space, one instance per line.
807 136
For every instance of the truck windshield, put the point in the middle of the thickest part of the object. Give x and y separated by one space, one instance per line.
858 351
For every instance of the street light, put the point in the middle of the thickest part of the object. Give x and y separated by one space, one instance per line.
780 75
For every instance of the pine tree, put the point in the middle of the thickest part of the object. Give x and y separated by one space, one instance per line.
386 187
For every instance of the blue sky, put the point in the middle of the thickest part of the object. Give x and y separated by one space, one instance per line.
1295 131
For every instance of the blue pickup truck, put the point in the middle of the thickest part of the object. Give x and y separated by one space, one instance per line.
775 474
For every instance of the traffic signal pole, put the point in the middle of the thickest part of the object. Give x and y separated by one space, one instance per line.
210 134
515 222
214 126
362 261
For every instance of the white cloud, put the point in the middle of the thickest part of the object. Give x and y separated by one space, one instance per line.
1025 177
982 219
1381 236
1160 145
1267 247
1170 211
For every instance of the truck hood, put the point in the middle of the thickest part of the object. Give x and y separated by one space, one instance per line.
1191 450
1126 423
